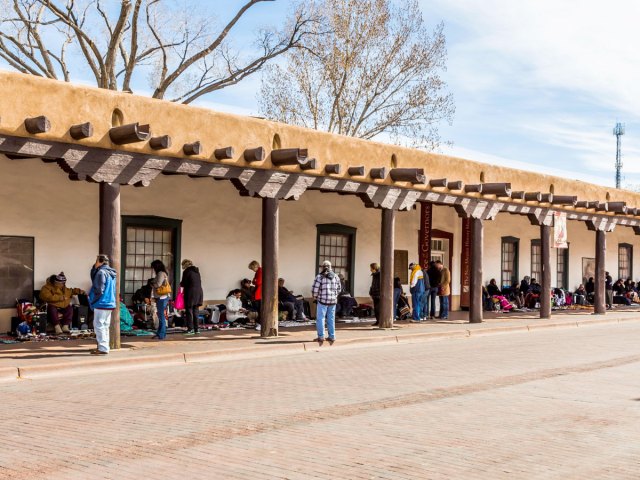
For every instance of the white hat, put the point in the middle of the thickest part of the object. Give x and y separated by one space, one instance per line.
326 263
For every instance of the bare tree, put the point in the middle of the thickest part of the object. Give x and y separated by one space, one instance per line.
375 69
182 55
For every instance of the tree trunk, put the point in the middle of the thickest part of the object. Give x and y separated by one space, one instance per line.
109 244
386 268
269 304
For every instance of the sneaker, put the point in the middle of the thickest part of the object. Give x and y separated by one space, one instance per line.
258 327
96 351
58 330
189 332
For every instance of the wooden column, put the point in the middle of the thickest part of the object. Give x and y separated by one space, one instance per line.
477 240
109 244
269 307
386 267
599 307
545 295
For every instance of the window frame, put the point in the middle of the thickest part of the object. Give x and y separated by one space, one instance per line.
338 229
516 259
564 252
536 244
629 248
151 221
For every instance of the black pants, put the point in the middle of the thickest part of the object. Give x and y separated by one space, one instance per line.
192 317
376 307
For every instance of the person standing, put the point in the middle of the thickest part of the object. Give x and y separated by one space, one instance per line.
608 287
416 284
193 296
434 281
374 291
161 292
444 289
255 267
424 305
102 300
325 290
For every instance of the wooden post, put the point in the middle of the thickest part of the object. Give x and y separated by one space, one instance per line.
599 307
477 240
545 295
386 267
109 244
269 306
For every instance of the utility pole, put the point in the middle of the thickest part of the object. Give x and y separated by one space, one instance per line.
618 131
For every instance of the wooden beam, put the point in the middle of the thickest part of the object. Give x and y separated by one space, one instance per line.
518 195
533 196
225 153
545 247
387 243
269 304
288 156
457 185
599 305
497 189
356 171
378 173
617 207
473 188
131 133
308 164
411 175
160 143
477 250
254 154
83 130
109 238
194 148
333 168
569 200
438 182
546 197
37 125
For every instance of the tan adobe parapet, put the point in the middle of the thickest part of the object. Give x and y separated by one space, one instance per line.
65 104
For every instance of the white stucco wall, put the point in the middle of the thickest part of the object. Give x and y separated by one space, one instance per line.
221 230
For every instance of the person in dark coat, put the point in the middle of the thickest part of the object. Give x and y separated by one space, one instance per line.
193 295
374 290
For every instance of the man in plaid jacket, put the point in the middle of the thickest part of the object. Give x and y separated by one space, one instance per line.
325 290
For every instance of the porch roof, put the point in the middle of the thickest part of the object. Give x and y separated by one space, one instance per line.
65 105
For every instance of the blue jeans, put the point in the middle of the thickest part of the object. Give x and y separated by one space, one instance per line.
416 302
431 294
161 304
330 312
396 296
444 306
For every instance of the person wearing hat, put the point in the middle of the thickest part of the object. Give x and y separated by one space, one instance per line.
193 295
326 288
58 299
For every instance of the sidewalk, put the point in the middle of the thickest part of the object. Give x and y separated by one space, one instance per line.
35 359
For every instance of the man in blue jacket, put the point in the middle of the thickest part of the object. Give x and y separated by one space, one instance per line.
102 299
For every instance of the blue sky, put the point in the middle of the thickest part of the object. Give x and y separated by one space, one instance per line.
538 84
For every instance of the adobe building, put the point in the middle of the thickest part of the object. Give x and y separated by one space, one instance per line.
87 170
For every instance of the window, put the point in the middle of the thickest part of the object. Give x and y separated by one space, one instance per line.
146 239
509 275
562 279
625 261
401 265
536 260
336 243
16 265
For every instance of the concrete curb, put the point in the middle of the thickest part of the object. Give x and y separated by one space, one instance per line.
110 363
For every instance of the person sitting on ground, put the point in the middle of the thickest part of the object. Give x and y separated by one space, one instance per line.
632 292
236 313
619 288
524 286
533 295
247 293
143 294
492 288
58 298
580 295
346 302
293 305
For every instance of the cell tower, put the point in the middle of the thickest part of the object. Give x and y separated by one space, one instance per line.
618 131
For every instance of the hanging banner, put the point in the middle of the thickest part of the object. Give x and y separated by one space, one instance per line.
424 243
560 230
465 264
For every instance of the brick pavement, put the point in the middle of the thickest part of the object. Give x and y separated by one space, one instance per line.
560 404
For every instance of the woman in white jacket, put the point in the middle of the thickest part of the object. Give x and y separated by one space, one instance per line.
236 314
